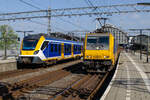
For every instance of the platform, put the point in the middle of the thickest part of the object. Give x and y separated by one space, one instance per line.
131 80
8 64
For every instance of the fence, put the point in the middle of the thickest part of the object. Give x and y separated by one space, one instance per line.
11 51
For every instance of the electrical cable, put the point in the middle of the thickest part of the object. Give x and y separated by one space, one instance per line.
59 18
30 4
90 4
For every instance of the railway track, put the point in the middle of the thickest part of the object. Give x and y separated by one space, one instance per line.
14 73
8 74
70 83
16 76
19 75
82 87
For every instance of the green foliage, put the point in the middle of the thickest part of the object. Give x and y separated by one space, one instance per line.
8 36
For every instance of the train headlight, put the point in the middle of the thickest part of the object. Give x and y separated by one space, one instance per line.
36 52
88 56
106 56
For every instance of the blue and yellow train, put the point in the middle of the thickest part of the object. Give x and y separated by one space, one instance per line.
43 49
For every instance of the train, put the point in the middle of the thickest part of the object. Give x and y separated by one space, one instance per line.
101 51
43 49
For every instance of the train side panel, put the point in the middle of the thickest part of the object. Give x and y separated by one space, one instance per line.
41 50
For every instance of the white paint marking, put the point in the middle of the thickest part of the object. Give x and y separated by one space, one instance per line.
143 75
127 98
128 91
110 84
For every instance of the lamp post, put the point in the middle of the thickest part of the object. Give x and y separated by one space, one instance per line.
147 46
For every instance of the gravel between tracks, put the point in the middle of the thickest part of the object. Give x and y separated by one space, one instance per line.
52 89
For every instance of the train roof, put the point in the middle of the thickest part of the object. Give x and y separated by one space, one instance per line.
35 36
47 37
99 34
65 41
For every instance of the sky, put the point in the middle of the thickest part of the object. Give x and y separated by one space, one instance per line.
65 24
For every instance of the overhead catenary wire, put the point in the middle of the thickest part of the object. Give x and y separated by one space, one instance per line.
59 18
90 4
38 9
72 23
29 4
36 22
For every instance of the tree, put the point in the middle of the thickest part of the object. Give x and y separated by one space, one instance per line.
7 38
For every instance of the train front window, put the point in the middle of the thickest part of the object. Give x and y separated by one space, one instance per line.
29 44
103 42
97 43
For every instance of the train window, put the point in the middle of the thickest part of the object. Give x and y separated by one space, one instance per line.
52 46
103 40
59 48
75 48
45 44
55 47
69 47
79 48
98 43
65 48
29 44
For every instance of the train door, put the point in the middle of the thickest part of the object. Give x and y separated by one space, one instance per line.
72 50
45 48
51 49
59 49
55 49
62 50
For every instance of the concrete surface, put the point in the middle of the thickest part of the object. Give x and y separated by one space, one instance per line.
8 64
131 80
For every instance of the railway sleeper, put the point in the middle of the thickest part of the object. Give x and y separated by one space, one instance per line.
71 89
40 81
5 93
81 90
